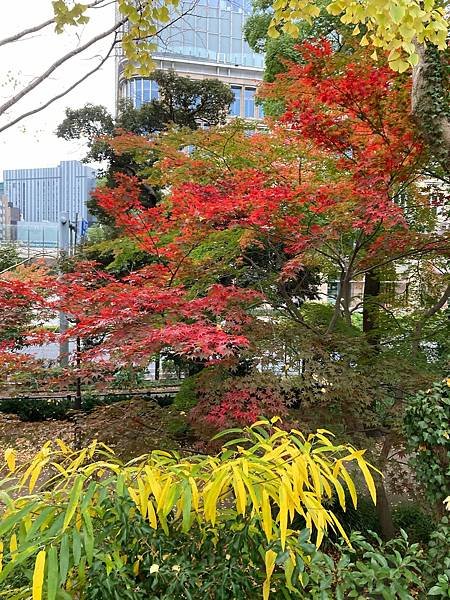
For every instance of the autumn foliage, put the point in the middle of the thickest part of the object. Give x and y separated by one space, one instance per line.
327 188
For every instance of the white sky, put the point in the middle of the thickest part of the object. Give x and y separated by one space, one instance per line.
32 142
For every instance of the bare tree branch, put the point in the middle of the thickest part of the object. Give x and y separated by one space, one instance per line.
62 94
36 28
440 303
38 80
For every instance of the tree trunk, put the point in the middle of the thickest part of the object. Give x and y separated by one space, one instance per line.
383 506
430 102
372 288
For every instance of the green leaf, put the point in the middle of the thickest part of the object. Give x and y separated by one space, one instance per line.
76 547
397 12
52 573
73 501
64 558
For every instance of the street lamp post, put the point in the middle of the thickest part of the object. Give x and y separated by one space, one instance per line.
64 228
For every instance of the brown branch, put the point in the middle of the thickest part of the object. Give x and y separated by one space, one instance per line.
427 315
21 34
61 94
38 80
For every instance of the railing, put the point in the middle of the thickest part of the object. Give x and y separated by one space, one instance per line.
31 239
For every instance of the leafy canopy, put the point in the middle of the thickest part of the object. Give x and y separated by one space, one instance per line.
394 26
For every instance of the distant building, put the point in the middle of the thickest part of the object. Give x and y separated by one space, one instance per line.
9 216
42 194
207 42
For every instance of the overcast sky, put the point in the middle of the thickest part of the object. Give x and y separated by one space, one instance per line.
32 143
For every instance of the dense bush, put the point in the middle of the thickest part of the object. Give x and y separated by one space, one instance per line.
43 409
217 528
376 570
93 528
186 397
418 524
37 409
427 431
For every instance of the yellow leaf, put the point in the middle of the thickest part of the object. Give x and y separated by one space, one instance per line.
13 546
164 495
38 575
239 491
270 565
194 490
152 515
64 448
35 474
143 497
266 515
136 568
283 515
10 457
350 485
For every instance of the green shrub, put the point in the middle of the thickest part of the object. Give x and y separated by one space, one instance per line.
416 522
186 397
438 565
36 409
43 409
170 527
427 431
370 569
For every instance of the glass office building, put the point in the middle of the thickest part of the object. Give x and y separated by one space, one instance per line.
42 194
207 42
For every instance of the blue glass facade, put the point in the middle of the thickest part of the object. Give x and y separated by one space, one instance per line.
212 31
42 194
206 42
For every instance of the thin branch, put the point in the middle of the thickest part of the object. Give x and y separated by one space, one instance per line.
62 94
440 303
21 34
36 82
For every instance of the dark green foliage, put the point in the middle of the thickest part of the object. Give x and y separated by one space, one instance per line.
372 569
43 409
438 567
227 564
415 521
209 566
37 409
8 257
427 431
186 397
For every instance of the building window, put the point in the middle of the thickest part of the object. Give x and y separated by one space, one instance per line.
154 93
235 108
333 291
146 95
138 96
249 103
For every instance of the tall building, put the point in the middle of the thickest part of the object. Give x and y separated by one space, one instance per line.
9 216
42 194
207 42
